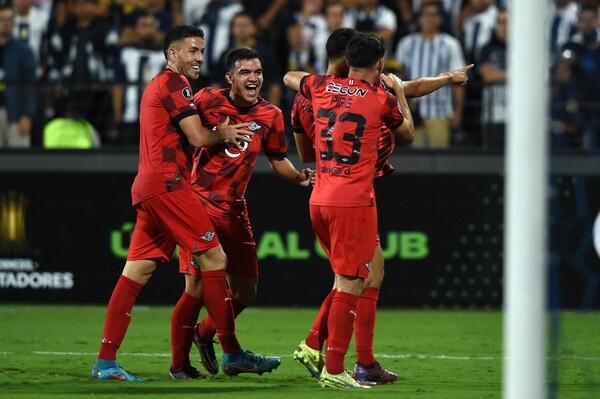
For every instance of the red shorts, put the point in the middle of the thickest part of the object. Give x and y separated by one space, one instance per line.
346 235
238 243
169 219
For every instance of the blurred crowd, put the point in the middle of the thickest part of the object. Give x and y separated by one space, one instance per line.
72 71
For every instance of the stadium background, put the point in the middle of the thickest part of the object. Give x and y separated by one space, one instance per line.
66 218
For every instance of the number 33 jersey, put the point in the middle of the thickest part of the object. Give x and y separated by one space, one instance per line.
348 117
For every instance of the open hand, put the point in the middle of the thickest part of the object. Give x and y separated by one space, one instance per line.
234 135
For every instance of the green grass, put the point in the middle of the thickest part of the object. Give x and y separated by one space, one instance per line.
48 351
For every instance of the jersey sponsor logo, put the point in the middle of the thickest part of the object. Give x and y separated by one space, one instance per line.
336 171
187 93
208 236
337 88
234 152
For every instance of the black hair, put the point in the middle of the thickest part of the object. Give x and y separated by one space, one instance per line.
178 33
337 41
364 50
238 54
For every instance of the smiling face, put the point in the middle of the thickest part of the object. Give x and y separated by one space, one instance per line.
187 56
246 80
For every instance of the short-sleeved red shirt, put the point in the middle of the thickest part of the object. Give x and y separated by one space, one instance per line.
221 174
349 115
165 155
303 122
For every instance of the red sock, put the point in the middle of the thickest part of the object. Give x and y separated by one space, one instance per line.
220 310
318 332
207 327
118 316
341 326
364 326
184 318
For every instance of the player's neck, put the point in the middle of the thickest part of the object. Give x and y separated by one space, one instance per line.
239 101
337 67
368 75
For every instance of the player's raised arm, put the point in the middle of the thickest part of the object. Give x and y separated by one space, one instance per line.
425 85
292 79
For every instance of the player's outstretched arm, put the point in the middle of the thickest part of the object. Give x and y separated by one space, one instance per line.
423 86
292 79
286 170
201 136
406 131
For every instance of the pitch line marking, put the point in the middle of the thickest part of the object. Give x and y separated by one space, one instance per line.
404 356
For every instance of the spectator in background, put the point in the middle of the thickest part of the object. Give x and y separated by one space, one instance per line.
368 16
584 51
476 32
493 70
31 24
565 112
141 61
307 34
563 19
430 52
157 8
334 15
244 33
409 9
270 17
82 64
216 23
193 10
334 18
17 85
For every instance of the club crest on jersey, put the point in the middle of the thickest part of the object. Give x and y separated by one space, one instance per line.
336 88
187 93
252 126
208 236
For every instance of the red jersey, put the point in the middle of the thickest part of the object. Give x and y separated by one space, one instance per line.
349 115
303 122
221 174
165 154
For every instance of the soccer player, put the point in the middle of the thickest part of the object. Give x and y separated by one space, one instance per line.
308 352
349 113
220 176
169 212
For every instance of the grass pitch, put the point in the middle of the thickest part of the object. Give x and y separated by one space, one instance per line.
48 351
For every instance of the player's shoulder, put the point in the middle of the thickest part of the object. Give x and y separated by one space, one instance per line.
266 107
318 80
210 92
211 97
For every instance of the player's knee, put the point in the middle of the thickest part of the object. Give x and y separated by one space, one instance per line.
213 259
377 279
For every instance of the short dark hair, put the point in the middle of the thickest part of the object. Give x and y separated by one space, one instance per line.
364 50
243 53
178 33
337 41
436 4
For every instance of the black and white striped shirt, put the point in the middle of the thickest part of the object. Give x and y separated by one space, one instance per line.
421 58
